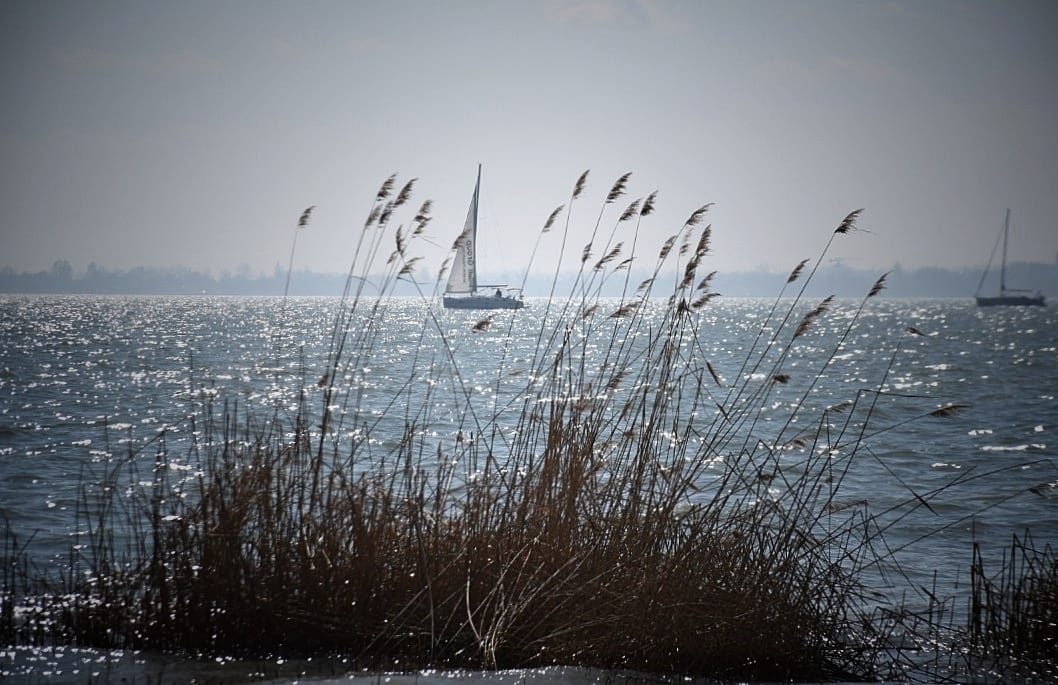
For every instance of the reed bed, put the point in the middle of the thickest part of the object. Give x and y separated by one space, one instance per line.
1013 624
623 509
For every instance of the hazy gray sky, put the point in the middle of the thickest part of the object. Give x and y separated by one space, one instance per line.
194 133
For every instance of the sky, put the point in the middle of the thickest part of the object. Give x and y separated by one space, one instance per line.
193 134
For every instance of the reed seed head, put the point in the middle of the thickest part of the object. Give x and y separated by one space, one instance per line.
551 219
878 286
666 248
697 215
629 212
849 222
579 187
618 188
385 214
376 211
811 316
648 204
409 267
797 271
405 193
386 189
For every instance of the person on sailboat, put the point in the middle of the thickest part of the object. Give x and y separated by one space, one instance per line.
499 293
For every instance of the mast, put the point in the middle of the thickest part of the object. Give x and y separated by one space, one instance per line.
1003 267
474 235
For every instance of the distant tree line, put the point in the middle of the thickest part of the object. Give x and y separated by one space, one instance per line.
837 279
166 281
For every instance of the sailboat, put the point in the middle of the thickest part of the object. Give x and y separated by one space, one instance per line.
1007 296
463 290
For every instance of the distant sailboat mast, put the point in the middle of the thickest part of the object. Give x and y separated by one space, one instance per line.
1003 267
1005 297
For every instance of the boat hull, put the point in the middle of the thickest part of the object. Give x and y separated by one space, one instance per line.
482 302
1011 301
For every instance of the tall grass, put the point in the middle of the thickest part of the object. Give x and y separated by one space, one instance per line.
622 507
1014 612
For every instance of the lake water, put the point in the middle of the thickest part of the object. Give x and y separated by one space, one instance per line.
85 378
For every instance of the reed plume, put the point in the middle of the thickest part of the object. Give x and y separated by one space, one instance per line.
618 188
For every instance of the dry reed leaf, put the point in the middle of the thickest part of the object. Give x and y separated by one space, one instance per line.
835 507
840 407
948 410
780 377
625 310
714 374
914 331
304 220
1043 489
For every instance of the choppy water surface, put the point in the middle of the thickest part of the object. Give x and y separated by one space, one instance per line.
83 379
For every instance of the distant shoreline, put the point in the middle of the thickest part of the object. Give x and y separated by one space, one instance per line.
833 279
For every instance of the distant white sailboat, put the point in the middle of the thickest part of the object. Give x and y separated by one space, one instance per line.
1007 296
463 290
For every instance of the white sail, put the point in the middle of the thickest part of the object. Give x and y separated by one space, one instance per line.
464 275
461 292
